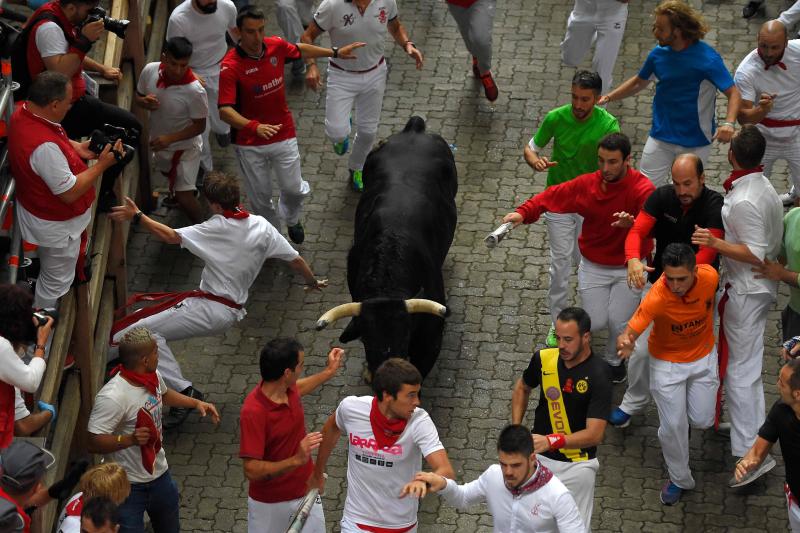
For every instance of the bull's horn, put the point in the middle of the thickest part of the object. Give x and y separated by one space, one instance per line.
340 311
421 305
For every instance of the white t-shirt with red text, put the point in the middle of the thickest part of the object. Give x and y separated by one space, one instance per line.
70 519
375 477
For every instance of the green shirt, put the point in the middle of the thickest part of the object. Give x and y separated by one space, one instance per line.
574 142
790 249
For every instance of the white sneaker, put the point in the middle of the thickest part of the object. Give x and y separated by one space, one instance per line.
768 464
787 199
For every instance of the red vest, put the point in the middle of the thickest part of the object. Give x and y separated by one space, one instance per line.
6 414
20 510
28 132
35 61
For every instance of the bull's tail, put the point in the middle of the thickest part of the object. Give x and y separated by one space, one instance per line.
415 124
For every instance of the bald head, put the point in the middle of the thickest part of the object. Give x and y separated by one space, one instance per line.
687 178
772 42
773 27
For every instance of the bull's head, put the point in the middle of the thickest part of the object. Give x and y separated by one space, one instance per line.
383 324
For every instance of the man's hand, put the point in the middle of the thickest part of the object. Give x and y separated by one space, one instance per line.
121 213
624 220
335 357
514 217
316 481
141 436
206 408
769 270
787 355
346 52
435 482
161 142
744 466
316 285
604 100
107 158
766 101
636 273
93 30
703 237
43 332
309 443
540 443
724 133
83 150
149 102
543 164
625 344
415 489
412 51
265 131
111 73
313 80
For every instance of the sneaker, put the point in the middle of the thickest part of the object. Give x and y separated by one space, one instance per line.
551 341
489 87
670 493
170 201
178 415
787 199
618 373
475 70
341 147
768 464
356 180
296 233
223 139
619 418
752 7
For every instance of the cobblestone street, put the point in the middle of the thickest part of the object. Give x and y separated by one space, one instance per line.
497 298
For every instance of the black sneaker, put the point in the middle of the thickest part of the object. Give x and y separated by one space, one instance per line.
618 373
296 233
178 415
752 8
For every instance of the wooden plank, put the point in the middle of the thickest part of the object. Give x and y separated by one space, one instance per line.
58 349
85 362
104 322
158 32
101 244
114 45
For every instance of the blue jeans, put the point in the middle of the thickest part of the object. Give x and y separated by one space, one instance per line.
159 499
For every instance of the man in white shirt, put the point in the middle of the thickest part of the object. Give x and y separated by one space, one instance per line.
234 245
204 23
359 82
388 435
125 426
178 109
522 494
769 80
753 219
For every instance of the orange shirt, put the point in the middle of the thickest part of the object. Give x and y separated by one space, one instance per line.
683 329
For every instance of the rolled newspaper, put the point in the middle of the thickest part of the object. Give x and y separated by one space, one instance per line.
498 235
299 518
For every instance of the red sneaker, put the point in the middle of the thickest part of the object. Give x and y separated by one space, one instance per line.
475 70
489 87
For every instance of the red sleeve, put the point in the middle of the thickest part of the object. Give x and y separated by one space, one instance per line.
706 255
645 189
559 198
252 436
227 85
642 226
291 50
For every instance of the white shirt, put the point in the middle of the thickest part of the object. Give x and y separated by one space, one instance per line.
206 32
20 409
71 523
599 10
178 106
344 23
752 214
791 16
50 40
550 508
15 372
752 79
234 251
375 477
114 413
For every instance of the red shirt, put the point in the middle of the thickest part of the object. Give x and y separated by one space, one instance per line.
599 241
255 89
272 432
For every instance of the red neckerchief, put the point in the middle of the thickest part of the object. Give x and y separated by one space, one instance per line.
537 481
736 174
163 82
149 380
386 431
237 213
778 63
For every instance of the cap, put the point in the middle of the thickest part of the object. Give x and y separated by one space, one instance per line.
10 519
23 465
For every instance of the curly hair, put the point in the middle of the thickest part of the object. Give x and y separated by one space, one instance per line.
16 315
683 17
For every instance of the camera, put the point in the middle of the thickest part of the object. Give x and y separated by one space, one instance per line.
110 135
41 316
115 26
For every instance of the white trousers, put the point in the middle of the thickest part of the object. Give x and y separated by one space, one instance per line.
685 393
562 233
292 16
56 272
283 158
637 394
793 509
185 169
607 37
214 122
365 92
605 295
274 517
657 158
579 479
348 526
788 151
193 317
475 25
744 317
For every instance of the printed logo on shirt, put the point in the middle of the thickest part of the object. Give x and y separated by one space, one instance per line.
375 461
260 90
691 324
535 510
371 444
382 16
671 218
251 70
273 61
553 393
568 386
349 19
582 386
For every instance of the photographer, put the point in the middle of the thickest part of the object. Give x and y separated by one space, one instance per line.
18 328
55 188
58 38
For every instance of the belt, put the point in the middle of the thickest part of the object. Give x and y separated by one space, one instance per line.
379 63
775 123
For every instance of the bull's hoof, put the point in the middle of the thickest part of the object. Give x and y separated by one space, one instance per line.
367 375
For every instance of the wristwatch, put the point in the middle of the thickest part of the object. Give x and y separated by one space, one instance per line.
137 217
335 50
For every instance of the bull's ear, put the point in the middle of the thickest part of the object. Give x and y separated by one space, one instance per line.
350 333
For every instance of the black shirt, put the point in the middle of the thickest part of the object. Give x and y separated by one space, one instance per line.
673 224
586 390
782 425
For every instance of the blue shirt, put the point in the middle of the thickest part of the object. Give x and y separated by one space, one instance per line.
686 91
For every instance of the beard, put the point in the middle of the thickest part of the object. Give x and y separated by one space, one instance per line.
208 9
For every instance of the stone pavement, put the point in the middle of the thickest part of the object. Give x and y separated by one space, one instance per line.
497 298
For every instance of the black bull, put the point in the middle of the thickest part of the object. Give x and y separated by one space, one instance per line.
404 226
